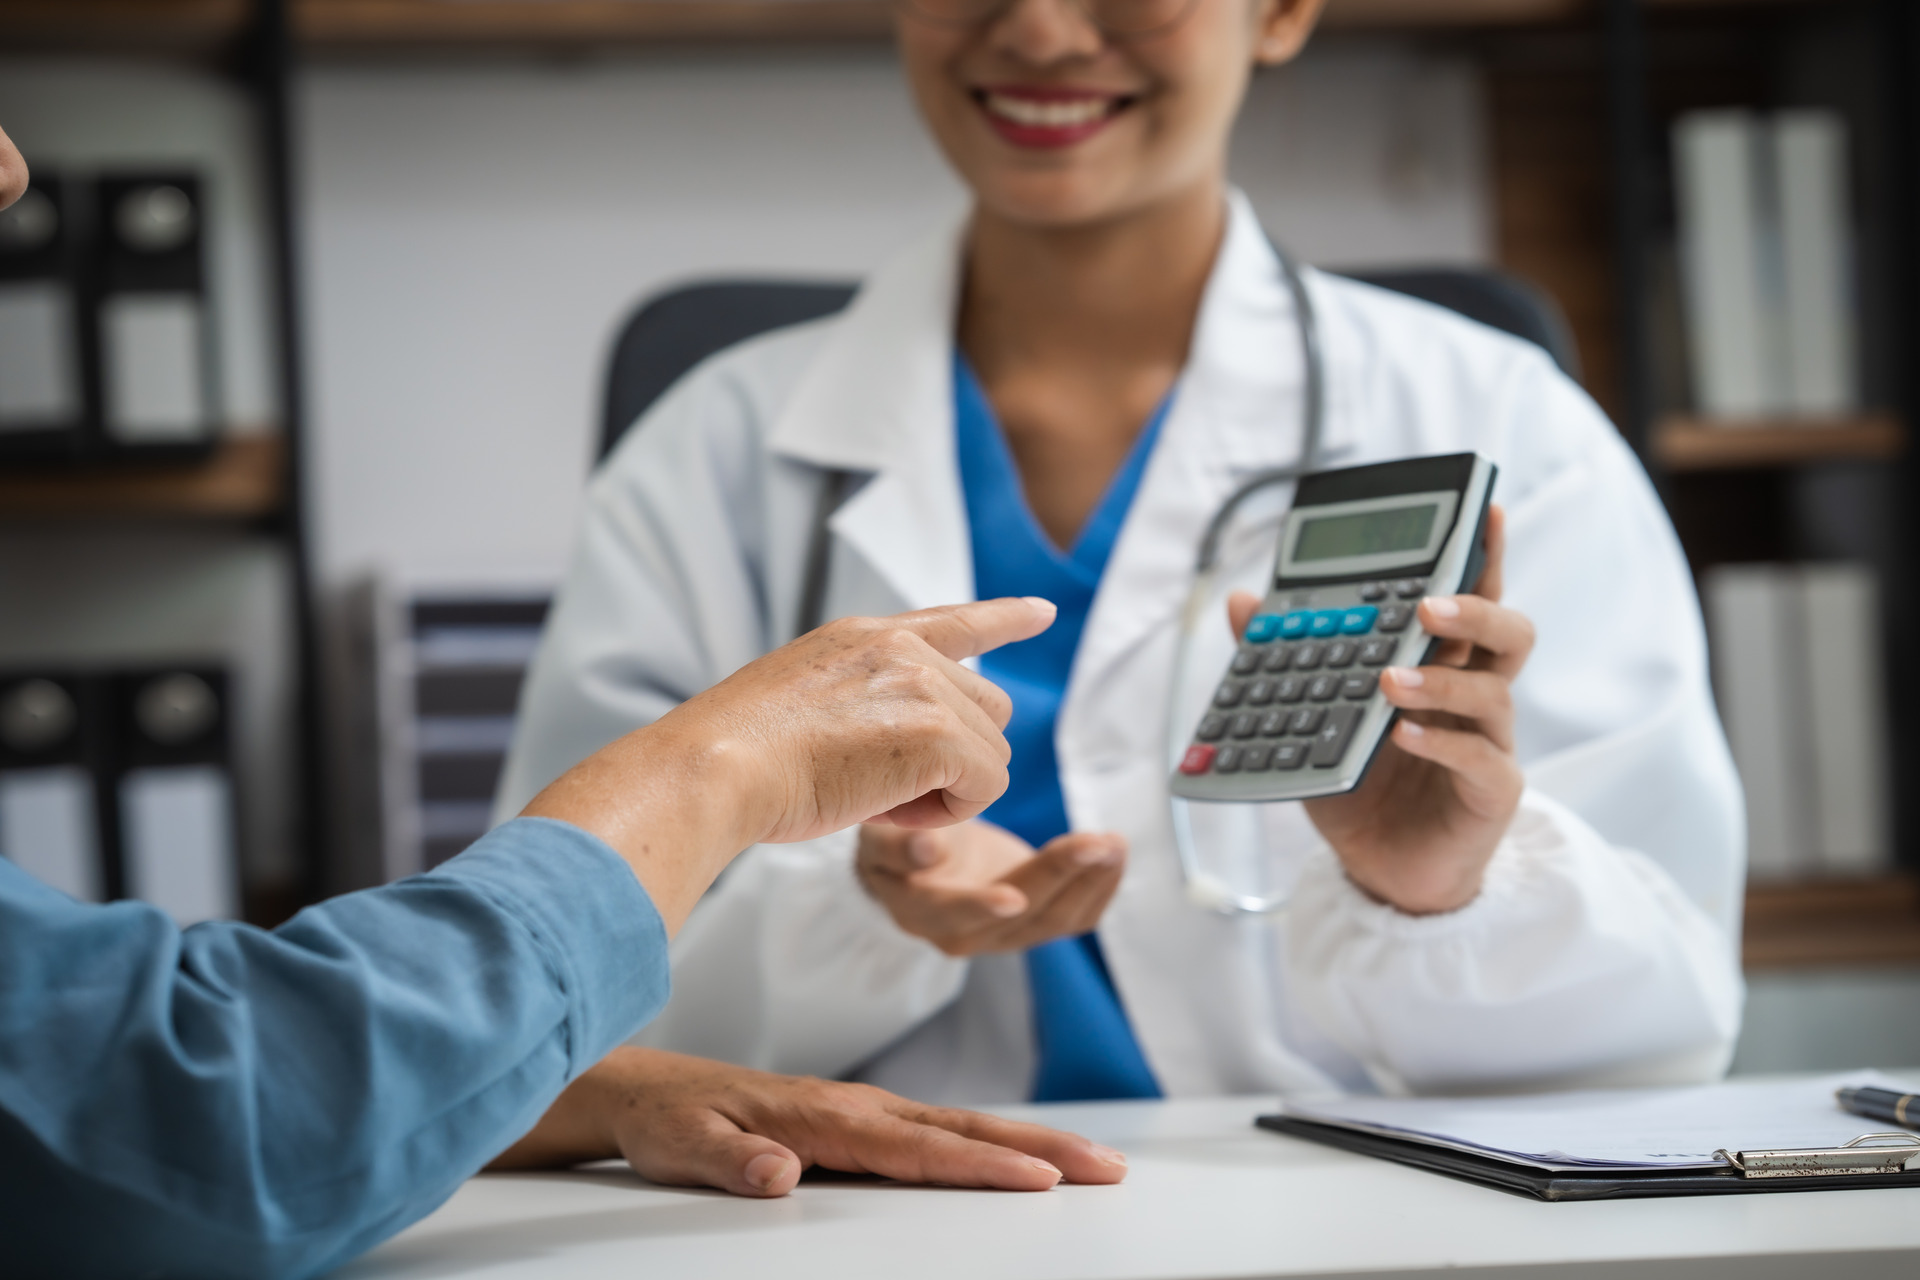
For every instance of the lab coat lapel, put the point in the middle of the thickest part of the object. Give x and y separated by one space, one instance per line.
877 401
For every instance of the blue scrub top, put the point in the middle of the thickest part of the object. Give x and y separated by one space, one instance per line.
1085 1045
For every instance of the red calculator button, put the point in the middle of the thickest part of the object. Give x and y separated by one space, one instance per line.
1199 758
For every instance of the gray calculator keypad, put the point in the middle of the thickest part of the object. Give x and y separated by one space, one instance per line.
1300 682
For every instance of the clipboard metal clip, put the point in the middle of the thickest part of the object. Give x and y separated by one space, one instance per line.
1869 1153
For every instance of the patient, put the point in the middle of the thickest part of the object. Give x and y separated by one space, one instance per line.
226 1101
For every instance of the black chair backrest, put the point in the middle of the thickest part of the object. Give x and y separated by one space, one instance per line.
674 331
1494 298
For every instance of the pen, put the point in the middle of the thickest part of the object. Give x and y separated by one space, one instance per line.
1881 1104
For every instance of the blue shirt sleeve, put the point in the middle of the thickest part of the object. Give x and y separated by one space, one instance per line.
227 1101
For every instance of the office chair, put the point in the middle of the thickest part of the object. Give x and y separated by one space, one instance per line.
673 331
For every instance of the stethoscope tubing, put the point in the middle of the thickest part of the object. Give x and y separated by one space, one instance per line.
1204 889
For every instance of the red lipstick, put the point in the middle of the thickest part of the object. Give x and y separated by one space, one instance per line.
1047 116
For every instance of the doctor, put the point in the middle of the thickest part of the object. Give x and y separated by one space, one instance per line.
1537 886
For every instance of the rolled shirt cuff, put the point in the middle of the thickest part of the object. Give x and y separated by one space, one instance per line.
589 914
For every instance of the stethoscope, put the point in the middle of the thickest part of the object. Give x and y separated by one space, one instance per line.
1204 888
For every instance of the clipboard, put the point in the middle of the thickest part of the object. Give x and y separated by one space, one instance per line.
1863 1164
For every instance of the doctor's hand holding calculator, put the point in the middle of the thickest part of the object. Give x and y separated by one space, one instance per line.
1434 800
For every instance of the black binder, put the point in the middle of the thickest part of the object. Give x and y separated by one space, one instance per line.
1575 1184
46 401
151 320
56 819
173 791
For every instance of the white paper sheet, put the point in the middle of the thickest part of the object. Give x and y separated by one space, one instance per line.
1620 1128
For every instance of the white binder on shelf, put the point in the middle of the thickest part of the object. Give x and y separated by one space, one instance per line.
1811 188
1752 616
1730 323
1847 718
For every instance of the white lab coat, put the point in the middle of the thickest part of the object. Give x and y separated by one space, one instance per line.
1602 948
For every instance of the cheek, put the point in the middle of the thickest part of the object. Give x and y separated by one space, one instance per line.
928 58
1204 64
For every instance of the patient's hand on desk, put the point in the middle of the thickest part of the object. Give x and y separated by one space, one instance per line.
975 888
1419 832
690 1122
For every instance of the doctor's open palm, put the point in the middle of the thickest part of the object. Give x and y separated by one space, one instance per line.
1419 832
975 888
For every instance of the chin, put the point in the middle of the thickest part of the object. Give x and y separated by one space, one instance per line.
1054 200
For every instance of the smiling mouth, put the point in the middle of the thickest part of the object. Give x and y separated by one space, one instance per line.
1048 117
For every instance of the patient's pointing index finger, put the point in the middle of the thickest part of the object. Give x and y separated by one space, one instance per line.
964 630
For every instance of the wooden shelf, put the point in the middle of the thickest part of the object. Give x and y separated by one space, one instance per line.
144 26
580 23
243 480
391 23
1698 444
174 26
1835 922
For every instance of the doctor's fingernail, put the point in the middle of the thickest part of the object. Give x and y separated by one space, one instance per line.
1041 602
764 1170
1412 730
1094 855
1407 677
1044 1167
1443 606
1106 1155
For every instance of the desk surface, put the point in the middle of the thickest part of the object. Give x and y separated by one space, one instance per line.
1207 1196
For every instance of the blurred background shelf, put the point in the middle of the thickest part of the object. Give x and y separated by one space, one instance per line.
347 23
577 23
244 479
1833 923
209 26
1698 444
143 26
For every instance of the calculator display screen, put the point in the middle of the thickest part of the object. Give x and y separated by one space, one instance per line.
1366 533
1360 536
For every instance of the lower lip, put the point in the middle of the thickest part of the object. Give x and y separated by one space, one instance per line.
1042 136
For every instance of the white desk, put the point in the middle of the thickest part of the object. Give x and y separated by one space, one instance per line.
1208 1196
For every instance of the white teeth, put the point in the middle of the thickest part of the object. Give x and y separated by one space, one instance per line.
1060 114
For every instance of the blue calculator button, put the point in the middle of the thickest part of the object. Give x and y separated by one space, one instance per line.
1264 627
1326 622
1295 625
1359 621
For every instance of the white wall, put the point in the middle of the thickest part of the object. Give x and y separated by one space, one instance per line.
474 233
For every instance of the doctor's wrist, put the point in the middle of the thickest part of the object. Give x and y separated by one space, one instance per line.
1427 887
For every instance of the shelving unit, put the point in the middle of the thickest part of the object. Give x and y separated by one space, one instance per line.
1696 444
580 23
1737 489
168 27
245 479
1833 923
205 26
252 478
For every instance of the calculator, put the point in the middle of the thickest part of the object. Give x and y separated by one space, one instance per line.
1299 712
